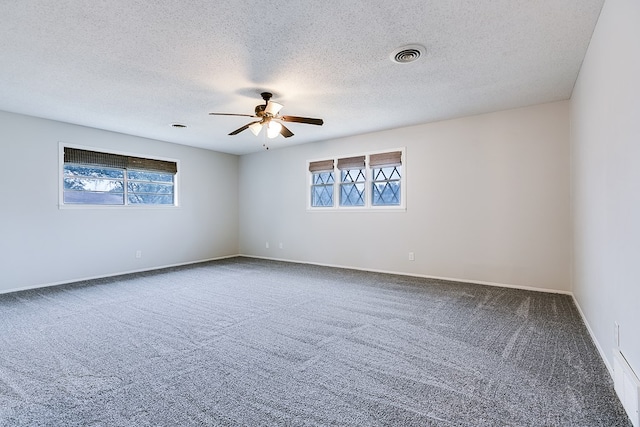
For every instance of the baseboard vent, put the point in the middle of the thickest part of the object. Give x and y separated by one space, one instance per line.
627 386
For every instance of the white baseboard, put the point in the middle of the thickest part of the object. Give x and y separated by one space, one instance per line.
400 273
424 276
82 279
603 355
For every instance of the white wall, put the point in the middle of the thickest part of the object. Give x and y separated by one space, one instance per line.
487 200
605 159
41 244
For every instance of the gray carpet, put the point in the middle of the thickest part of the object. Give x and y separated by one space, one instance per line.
252 343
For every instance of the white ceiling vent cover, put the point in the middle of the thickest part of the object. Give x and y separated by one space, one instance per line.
407 54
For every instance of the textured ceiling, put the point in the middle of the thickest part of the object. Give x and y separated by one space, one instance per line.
137 66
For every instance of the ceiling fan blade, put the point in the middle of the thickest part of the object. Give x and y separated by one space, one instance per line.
245 127
231 114
285 132
306 120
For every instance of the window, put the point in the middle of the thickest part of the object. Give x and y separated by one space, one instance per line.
366 181
96 178
321 183
352 181
386 178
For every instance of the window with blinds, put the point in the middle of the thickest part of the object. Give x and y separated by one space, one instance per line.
386 178
352 181
98 178
322 180
372 180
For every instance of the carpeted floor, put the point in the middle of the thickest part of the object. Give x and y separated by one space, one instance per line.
253 343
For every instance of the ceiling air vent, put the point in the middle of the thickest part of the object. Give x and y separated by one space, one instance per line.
407 54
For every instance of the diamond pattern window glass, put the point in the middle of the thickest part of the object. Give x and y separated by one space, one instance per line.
322 189
385 186
386 178
352 180
352 186
368 181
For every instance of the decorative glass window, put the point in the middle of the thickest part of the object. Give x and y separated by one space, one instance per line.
370 181
386 178
322 180
352 181
96 178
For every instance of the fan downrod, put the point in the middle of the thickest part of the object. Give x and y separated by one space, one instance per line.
260 108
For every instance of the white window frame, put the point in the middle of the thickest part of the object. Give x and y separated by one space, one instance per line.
368 196
312 185
62 205
365 184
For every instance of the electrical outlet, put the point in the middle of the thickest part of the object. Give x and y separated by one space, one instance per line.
266 245
412 256
280 245
138 254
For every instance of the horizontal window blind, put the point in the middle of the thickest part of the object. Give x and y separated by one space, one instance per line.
321 166
95 158
351 162
393 158
151 164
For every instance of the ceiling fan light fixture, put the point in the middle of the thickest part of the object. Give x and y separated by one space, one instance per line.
255 128
273 108
273 129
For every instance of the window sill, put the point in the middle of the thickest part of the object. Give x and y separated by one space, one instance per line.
123 207
360 209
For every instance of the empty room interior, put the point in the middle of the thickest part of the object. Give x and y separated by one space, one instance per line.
327 213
